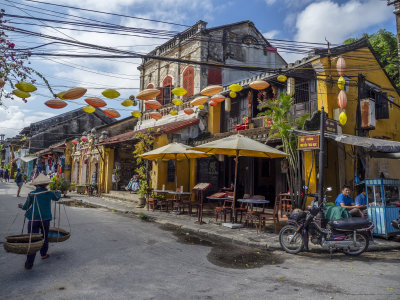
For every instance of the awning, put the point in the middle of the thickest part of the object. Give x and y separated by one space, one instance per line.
28 158
370 144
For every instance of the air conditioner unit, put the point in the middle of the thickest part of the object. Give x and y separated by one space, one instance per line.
368 120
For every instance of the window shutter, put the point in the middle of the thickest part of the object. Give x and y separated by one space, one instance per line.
188 81
214 75
381 106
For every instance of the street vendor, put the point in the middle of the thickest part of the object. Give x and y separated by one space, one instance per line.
39 215
344 200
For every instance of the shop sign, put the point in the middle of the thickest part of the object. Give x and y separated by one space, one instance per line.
331 126
308 142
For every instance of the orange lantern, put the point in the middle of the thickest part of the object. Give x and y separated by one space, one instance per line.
55 103
148 94
188 111
112 113
156 115
259 85
341 65
212 103
152 104
211 90
199 100
95 102
217 98
2 82
342 99
74 93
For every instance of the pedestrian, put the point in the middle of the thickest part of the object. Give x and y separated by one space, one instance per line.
38 214
1 174
19 180
6 176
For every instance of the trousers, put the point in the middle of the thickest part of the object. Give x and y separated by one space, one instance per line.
36 226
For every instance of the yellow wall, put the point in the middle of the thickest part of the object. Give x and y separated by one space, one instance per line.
214 119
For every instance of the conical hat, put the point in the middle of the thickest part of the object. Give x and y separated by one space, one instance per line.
41 180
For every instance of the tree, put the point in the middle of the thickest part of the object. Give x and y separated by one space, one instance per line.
384 44
282 125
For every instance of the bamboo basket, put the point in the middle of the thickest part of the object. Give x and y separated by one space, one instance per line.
62 235
24 238
23 247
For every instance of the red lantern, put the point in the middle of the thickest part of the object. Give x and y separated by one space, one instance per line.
156 115
212 103
342 99
84 139
75 142
152 104
188 111
112 113
341 66
217 98
259 95
95 102
56 103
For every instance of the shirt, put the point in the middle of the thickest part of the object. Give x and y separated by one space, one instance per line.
44 201
343 199
361 200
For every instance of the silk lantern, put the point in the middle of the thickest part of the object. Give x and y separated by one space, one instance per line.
281 78
136 113
341 82
343 118
259 85
148 94
112 113
75 142
342 99
155 115
74 93
228 104
152 104
84 139
235 87
232 94
341 66
290 90
110 94
95 102
218 98
199 100
21 94
179 91
89 109
212 103
26 87
55 103
211 90
173 112
200 106
177 101
127 102
188 111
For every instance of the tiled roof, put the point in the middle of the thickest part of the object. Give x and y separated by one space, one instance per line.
165 128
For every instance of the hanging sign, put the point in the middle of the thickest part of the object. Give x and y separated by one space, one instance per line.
331 126
308 142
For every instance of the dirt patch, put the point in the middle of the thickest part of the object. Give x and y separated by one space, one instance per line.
78 203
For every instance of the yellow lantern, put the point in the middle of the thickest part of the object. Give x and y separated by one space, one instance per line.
228 104
26 87
88 109
343 118
60 95
179 91
127 102
235 87
110 93
290 87
200 106
281 78
136 113
21 94
341 82
173 112
177 101
232 94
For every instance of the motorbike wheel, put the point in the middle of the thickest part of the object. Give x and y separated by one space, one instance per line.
362 239
290 239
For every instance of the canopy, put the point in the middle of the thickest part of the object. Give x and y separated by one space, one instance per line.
28 158
240 145
174 151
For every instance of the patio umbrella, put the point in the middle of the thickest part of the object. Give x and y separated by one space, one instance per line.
239 145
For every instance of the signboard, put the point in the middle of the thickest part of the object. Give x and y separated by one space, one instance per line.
308 142
331 126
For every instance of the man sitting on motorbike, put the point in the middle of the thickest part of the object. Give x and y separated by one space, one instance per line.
344 200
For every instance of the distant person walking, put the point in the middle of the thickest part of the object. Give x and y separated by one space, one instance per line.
6 176
19 180
1 174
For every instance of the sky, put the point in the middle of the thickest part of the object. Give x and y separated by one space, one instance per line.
298 20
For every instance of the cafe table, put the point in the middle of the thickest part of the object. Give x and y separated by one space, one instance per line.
251 202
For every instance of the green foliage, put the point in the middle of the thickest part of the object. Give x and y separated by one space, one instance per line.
384 44
143 216
59 184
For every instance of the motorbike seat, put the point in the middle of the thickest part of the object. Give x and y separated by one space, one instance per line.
350 223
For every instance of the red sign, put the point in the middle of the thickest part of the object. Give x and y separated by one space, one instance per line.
308 142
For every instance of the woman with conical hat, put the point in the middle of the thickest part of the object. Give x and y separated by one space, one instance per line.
38 214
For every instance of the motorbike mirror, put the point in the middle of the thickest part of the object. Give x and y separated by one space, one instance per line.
329 189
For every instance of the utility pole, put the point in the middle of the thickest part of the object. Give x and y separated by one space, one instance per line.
396 4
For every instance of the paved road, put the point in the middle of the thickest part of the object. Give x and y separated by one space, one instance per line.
114 256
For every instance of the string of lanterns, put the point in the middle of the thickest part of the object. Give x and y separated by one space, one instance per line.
342 97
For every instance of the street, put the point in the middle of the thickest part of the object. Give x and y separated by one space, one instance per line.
113 256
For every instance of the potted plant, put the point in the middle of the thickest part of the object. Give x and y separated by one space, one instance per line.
142 192
59 184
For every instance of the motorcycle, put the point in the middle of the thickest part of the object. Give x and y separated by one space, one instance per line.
396 223
350 235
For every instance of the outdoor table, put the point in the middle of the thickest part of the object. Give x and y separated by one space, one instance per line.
220 199
163 192
250 202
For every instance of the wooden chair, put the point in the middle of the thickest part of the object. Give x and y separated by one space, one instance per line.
253 215
224 210
271 216
193 201
285 208
150 200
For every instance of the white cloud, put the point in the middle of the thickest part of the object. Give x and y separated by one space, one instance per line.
270 2
271 34
337 22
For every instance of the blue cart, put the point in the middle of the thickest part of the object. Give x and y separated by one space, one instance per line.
382 197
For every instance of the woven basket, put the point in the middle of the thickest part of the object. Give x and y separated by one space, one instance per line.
23 248
64 235
24 238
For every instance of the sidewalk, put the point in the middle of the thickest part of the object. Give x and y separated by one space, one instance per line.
243 236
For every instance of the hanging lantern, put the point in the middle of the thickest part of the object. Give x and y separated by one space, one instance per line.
60 95
211 90
84 139
228 104
74 93
112 113
343 118
136 113
212 103
290 87
342 99
188 111
152 104
341 82
110 94
173 112
55 103
200 106
21 94
232 94
148 94
199 100
179 91
75 142
89 109
235 87
259 85
281 78
26 87
341 65
127 102
2 82
217 98
177 101
156 115
95 102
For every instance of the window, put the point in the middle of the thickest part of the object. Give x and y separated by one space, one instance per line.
188 81
381 106
171 171
166 91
